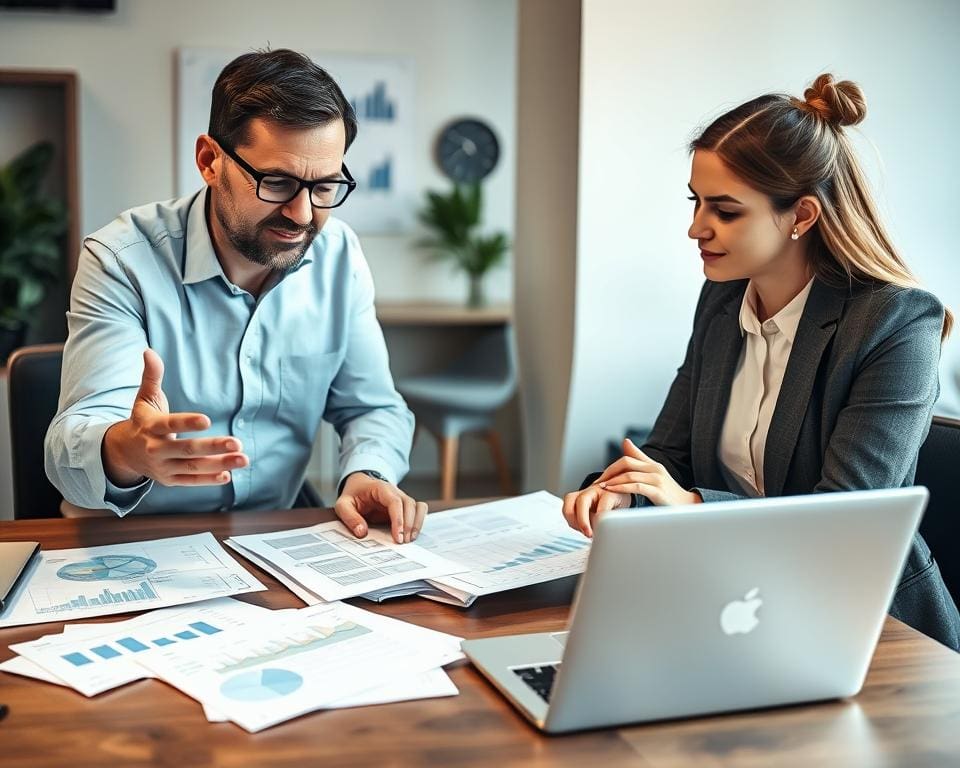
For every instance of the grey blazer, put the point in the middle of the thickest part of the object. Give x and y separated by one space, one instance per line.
853 410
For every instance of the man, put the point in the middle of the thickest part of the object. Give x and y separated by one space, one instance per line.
249 312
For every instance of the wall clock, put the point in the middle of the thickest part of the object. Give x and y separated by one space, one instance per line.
467 150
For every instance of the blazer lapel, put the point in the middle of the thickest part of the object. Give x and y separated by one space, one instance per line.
816 328
721 352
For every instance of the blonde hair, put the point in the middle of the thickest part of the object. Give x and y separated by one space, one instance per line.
787 148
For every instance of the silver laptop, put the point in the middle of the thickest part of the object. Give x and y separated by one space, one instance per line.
716 607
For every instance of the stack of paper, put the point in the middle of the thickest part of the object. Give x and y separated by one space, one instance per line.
459 555
320 657
505 545
248 664
500 545
61 585
93 658
327 562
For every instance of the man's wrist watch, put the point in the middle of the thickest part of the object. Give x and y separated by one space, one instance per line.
368 472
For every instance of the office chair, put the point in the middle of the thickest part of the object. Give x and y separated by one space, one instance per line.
34 392
464 398
34 389
937 468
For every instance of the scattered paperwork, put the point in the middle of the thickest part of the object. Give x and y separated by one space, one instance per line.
66 584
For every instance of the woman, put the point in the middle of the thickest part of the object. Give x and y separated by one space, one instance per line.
813 360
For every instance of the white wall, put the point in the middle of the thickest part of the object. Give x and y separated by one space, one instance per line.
465 56
465 53
650 74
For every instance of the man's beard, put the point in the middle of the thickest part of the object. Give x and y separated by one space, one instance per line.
254 243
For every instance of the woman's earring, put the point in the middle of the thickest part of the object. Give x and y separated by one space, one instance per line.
795 235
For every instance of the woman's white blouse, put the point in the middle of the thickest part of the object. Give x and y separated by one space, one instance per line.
756 386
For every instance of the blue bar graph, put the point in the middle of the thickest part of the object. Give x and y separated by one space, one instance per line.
105 597
381 175
132 644
375 105
106 652
207 629
560 545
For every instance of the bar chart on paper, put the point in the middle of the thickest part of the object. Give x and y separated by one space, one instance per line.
130 644
98 657
50 601
83 582
559 545
504 545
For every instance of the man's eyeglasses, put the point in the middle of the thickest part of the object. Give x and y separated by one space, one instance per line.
277 188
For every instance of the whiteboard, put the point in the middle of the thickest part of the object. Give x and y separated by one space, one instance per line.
381 159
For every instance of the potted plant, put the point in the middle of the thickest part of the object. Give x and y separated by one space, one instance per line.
31 225
454 219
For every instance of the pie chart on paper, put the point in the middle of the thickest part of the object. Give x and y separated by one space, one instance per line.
261 685
107 567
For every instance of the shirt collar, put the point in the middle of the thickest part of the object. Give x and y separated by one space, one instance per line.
201 262
786 320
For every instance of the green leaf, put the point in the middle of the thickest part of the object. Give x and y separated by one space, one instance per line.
454 218
29 167
31 231
30 293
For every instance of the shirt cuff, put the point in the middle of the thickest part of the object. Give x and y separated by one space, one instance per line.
361 461
123 500
117 499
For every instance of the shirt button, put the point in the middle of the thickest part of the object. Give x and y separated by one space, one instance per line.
223 509
241 421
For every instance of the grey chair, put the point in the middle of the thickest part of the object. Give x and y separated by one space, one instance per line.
937 468
464 398
34 391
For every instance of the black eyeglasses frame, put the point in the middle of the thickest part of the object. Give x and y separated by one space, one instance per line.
258 176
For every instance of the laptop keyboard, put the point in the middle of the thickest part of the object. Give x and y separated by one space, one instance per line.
540 678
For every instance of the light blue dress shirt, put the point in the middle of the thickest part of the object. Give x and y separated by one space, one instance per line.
265 371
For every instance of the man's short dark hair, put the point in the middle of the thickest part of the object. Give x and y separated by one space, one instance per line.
283 86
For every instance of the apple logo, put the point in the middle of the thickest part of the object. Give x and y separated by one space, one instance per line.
740 616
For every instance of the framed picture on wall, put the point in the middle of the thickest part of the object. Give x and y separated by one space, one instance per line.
381 89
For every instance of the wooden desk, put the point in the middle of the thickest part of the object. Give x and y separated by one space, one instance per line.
908 714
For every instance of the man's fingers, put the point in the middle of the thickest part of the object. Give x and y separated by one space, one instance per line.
346 509
409 518
419 519
390 499
204 465
218 478
395 510
176 423
151 382
195 447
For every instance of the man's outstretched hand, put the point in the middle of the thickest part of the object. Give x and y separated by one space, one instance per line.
146 445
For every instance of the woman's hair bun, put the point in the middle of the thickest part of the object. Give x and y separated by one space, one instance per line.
838 103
